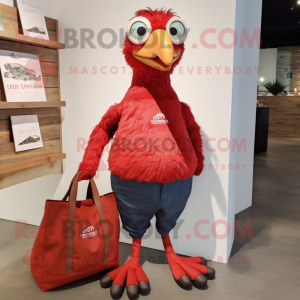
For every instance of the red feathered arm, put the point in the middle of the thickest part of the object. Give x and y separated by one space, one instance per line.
99 138
195 136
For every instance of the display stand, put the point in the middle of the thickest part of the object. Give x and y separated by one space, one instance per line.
22 166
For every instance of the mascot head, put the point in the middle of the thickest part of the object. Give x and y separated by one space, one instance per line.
154 39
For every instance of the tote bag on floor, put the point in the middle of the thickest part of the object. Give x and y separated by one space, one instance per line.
76 239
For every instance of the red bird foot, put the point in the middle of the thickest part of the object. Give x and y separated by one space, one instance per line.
187 270
137 281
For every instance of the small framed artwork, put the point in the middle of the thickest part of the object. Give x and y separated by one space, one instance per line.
26 132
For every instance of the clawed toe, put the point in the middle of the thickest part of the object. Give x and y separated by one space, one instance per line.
210 274
144 286
116 291
200 281
106 281
184 282
132 291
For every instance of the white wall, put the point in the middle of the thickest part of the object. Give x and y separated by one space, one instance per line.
210 96
268 64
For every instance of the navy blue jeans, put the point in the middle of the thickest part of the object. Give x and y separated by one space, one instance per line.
138 202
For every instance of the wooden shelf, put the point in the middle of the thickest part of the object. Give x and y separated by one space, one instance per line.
18 167
32 162
20 38
11 105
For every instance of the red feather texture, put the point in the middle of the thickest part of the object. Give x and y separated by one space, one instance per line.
142 150
194 134
99 138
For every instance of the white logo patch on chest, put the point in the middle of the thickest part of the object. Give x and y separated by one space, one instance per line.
159 119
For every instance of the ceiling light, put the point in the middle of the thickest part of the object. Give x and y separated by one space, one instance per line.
262 79
298 1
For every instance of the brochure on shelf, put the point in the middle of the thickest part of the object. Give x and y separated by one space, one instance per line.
22 77
26 132
32 19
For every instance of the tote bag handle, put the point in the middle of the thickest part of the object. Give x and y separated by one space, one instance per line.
75 178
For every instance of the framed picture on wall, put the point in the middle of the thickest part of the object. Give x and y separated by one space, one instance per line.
33 19
22 77
26 132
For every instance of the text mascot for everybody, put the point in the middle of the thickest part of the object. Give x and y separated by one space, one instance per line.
154 132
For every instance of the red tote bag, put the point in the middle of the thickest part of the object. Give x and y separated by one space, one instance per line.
76 239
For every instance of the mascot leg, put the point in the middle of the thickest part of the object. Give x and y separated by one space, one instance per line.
187 270
137 281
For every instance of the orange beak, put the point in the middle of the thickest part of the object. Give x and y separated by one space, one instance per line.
158 52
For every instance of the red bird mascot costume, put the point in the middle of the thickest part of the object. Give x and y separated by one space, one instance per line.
156 151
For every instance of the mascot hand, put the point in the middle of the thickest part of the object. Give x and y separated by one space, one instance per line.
88 169
198 170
